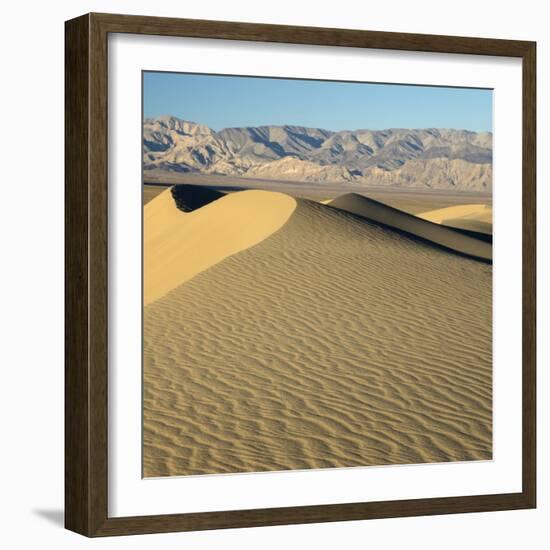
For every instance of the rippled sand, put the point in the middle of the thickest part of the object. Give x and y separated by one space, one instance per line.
332 342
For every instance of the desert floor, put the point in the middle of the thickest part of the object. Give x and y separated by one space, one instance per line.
282 333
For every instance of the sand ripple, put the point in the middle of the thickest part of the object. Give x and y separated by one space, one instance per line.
334 342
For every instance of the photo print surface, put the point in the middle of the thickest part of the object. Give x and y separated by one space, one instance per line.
317 274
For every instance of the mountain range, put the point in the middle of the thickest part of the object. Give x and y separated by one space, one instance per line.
418 158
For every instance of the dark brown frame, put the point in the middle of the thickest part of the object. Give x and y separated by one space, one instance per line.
86 274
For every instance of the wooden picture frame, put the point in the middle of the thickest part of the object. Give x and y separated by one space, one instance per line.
86 414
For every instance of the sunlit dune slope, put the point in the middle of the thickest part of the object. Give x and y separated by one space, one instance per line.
177 245
472 217
332 342
397 219
458 211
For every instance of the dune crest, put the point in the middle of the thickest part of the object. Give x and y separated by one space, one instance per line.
177 245
413 225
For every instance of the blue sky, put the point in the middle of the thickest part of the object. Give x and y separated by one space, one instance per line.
230 101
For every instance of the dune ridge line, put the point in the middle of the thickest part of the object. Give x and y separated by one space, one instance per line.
188 229
177 245
416 226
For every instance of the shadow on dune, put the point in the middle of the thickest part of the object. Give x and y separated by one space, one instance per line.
462 241
191 197
486 237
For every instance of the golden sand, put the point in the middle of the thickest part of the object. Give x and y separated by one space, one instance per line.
178 245
474 217
318 340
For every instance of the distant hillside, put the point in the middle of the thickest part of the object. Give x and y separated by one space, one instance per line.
426 158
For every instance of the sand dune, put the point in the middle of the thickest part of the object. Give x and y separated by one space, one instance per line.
332 342
472 217
178 245
151 191
391 217
459 211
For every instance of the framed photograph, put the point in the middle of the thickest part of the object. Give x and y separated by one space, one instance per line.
300 275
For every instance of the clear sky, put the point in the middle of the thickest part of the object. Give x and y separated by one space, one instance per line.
230 101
